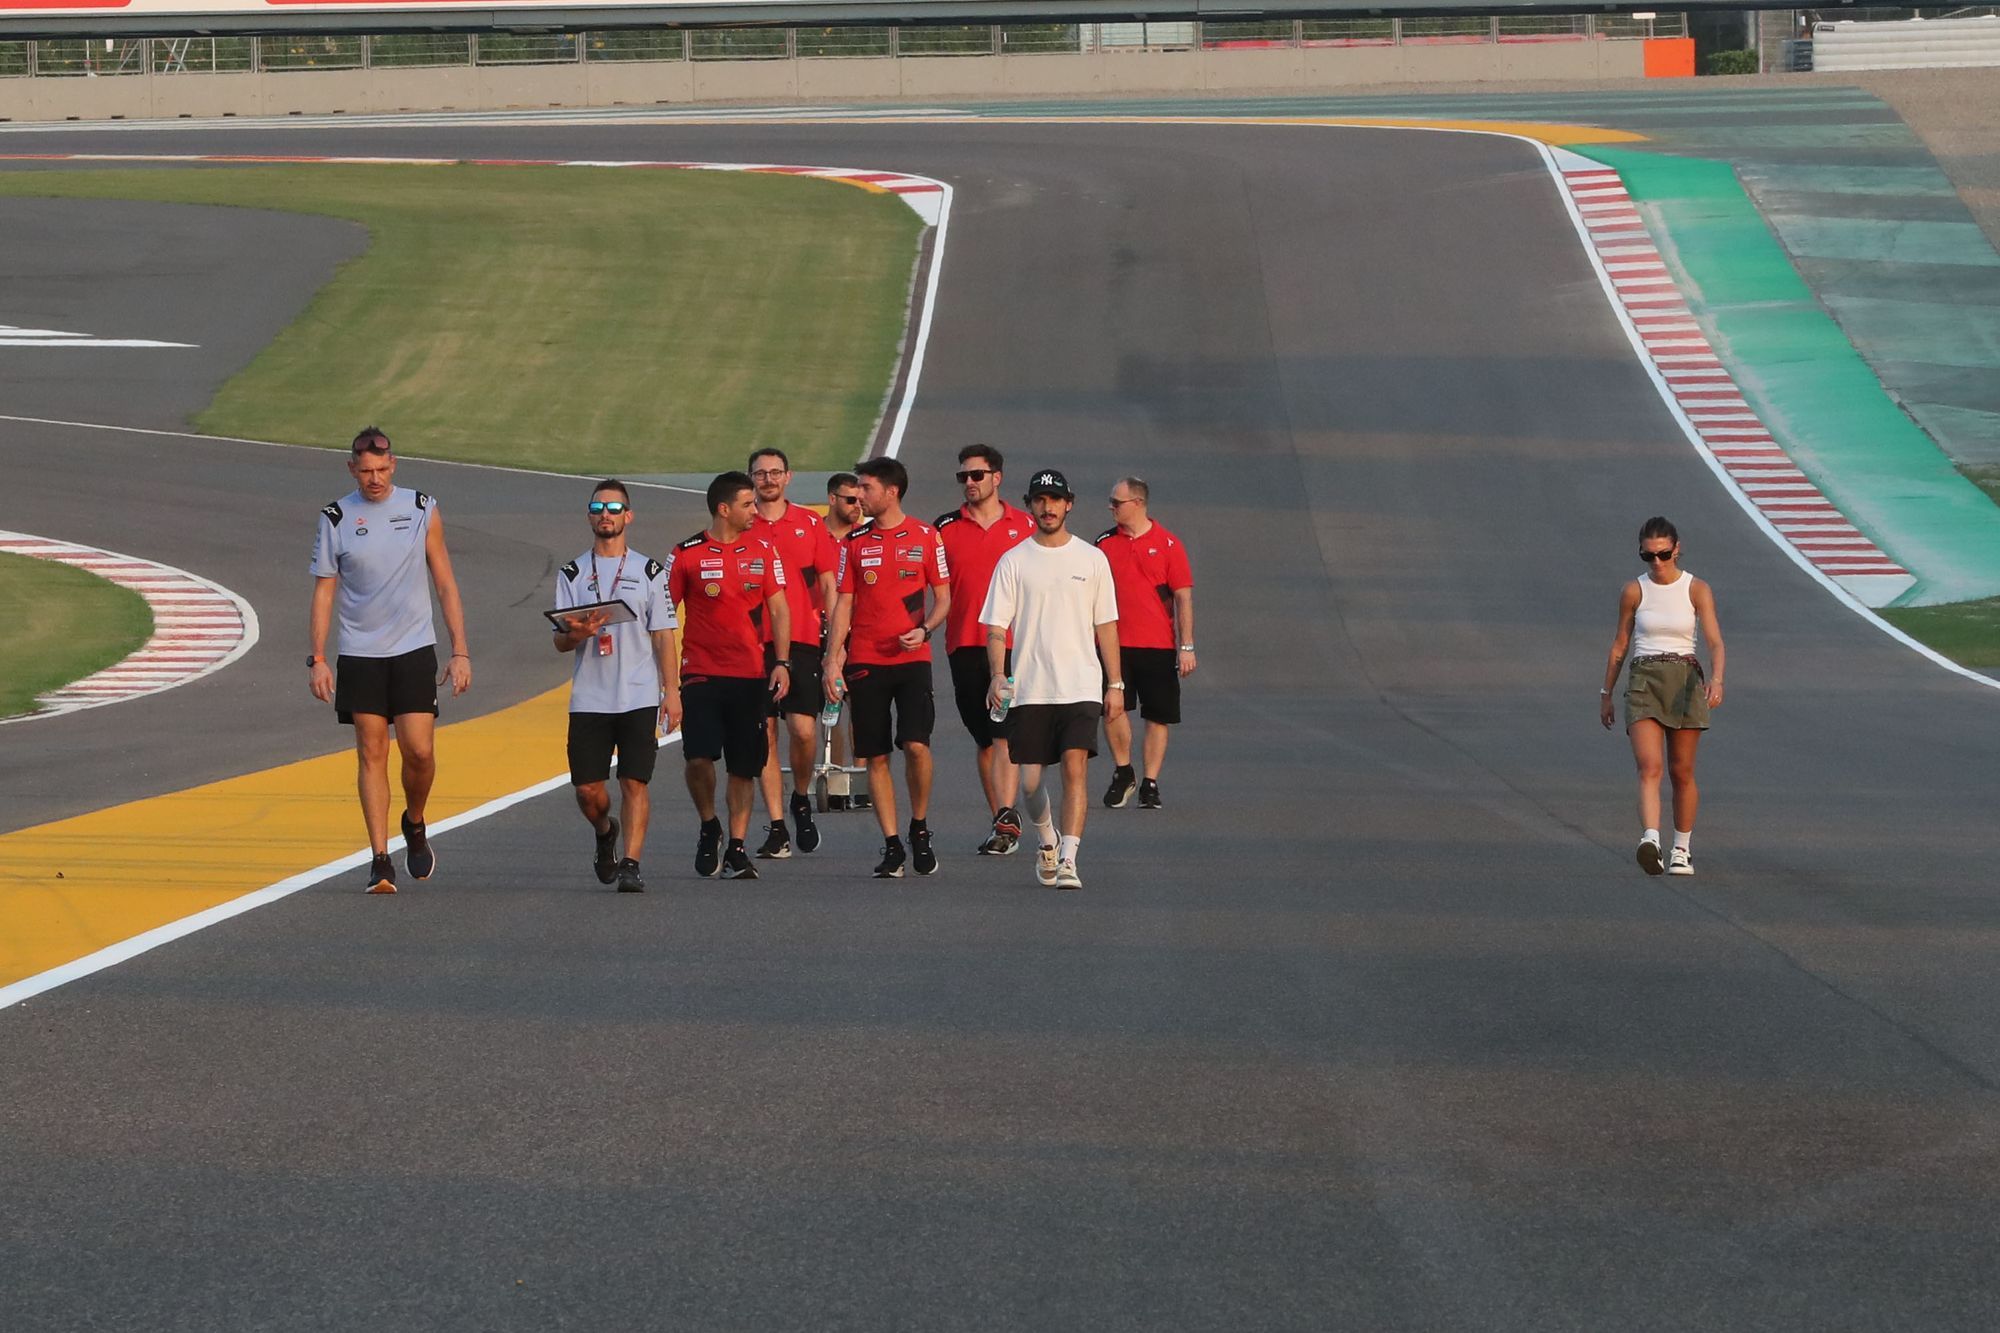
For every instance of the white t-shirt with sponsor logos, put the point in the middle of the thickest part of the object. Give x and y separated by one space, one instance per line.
1053 598
376 549
629 678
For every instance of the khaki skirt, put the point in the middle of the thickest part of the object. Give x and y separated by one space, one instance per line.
1672 693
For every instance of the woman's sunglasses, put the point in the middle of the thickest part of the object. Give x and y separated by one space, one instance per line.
1651 557
607 507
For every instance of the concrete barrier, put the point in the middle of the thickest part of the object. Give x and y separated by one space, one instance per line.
606 83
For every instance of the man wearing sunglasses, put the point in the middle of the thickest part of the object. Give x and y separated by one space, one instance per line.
626 683
800 538
378 550
1155 638
975 536
843 515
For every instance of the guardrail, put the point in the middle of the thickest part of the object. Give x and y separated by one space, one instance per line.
113 56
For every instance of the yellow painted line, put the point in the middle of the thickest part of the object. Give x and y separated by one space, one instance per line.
77 886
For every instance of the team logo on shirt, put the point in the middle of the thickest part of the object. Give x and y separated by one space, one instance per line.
913 554
870 561
360 531
712 589
868 576
754 566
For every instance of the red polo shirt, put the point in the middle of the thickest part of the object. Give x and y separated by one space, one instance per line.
722 589
1147 570
973 551
800 538
887 570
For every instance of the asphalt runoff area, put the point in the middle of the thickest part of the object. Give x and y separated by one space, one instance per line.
1377 1026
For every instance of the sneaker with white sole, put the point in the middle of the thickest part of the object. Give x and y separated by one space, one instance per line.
1046 865
1650 860
1066 876
1680 862
777 843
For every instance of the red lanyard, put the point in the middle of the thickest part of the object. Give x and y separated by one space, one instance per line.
616 574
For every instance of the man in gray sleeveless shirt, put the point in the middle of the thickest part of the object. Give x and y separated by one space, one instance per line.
378 550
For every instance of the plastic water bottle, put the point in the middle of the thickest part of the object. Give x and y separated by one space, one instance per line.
998 712
830 714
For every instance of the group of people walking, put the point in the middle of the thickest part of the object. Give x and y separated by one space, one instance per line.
773 621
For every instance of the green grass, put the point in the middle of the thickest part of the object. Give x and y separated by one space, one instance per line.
568 318
1966 632
62 624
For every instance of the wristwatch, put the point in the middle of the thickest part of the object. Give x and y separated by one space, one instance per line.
1187 647
1114 685
313 660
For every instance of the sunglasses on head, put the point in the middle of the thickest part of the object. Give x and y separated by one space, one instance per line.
1660 556
973 474
608 507
374 444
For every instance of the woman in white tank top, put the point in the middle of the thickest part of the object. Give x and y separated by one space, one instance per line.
1667 696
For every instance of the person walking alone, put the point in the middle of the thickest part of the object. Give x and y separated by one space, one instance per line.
878 655
1056 595
729 585
377 551
975 536
1155 637
1667 695
625 685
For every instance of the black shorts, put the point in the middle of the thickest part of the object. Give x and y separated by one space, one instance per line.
971 677
871 693
593 736
1152 683
386 686
722 717
1039 733
806 695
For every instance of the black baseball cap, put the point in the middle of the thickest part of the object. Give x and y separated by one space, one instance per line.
1050 482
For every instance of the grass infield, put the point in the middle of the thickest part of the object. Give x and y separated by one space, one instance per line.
1966 632
63 623
568 318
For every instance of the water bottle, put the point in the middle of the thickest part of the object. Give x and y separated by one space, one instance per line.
830 714
998 712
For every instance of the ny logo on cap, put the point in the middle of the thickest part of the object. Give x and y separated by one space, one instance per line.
1046 479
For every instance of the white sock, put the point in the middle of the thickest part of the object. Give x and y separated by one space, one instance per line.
1041 813
1069 846
1651 835
1681 839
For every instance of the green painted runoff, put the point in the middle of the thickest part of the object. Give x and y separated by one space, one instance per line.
63 624
568 318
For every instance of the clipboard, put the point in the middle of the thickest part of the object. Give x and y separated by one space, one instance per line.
621 613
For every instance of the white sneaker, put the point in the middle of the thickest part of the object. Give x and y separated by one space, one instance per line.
1681 862
1045 865
1066 876
1649 856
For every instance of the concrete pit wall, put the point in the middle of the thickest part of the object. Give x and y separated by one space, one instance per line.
588 84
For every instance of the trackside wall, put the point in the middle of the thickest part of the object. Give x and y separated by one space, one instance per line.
588 84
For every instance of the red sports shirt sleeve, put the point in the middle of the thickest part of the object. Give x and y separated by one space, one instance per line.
940 572
1179 573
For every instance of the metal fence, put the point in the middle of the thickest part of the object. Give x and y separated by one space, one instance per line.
102 57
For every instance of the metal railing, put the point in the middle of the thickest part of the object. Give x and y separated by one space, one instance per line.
102 57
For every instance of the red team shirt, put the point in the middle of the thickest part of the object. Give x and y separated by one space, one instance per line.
722 589
1147 570
800 538
887 571
973 551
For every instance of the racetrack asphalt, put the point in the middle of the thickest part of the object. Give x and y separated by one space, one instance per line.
1377 1026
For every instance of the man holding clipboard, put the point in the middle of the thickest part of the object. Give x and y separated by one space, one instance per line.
614 614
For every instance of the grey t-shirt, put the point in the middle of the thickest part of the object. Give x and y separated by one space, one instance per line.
629 678
376 551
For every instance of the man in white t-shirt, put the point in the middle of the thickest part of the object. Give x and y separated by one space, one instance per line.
626 684
1055 593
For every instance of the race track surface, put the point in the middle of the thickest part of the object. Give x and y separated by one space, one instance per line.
1377 1026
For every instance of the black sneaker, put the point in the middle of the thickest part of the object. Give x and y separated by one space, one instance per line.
628 877
1008 821
777 844
892 861
381 875
1149 795
417 853
860 800
736 862
708 851
999 844
802 815
605 861
922 859
1119 794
